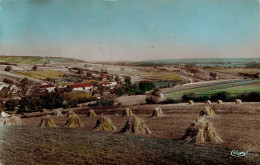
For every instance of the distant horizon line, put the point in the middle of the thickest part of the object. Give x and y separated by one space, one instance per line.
127 61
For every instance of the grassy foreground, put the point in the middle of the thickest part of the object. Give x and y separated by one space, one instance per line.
33 145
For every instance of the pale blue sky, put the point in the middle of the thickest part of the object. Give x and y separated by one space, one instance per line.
130 29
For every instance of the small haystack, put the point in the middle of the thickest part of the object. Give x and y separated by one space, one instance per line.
202 131
157 112
191 102
105 124
14 120
4 114
4 121
47 121
219 102
74 121
207 111
91 113
71 112
136 125
127 112
208 102
207 133
58 113
238 101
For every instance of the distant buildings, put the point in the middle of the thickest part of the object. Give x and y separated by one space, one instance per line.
81 87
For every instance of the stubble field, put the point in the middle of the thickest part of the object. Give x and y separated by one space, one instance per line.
238 126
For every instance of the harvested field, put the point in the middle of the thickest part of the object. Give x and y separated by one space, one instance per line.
41 74
237 125
235 71
77 95
160 76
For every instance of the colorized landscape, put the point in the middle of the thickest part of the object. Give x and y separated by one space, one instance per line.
42 100
167 82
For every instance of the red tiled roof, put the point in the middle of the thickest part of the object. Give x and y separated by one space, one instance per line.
105 83
47 86
80 85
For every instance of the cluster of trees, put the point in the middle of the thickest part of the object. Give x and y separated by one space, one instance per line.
48 100
133 89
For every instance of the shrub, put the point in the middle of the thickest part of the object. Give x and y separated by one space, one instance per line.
8 81
11 105
35 67
152 100
189 96
8 68
252 96
224 96
170 101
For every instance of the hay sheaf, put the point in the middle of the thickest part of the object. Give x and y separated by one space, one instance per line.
58 113
157 112
136 125
127 112
219 102
202 131
74 121
207 111
191 102
4 121
91 113
104 124
208 102
207 133
238 101
47 121
15 120
8 121
71 112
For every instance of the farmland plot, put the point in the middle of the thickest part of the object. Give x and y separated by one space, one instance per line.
234 87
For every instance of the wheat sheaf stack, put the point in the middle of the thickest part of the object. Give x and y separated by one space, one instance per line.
74 121
136 125
48 122
127 112
91 113
202 130
105 124
157 112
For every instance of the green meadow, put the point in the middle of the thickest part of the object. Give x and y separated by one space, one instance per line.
233 87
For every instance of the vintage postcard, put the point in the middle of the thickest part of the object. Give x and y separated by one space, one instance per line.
129 82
